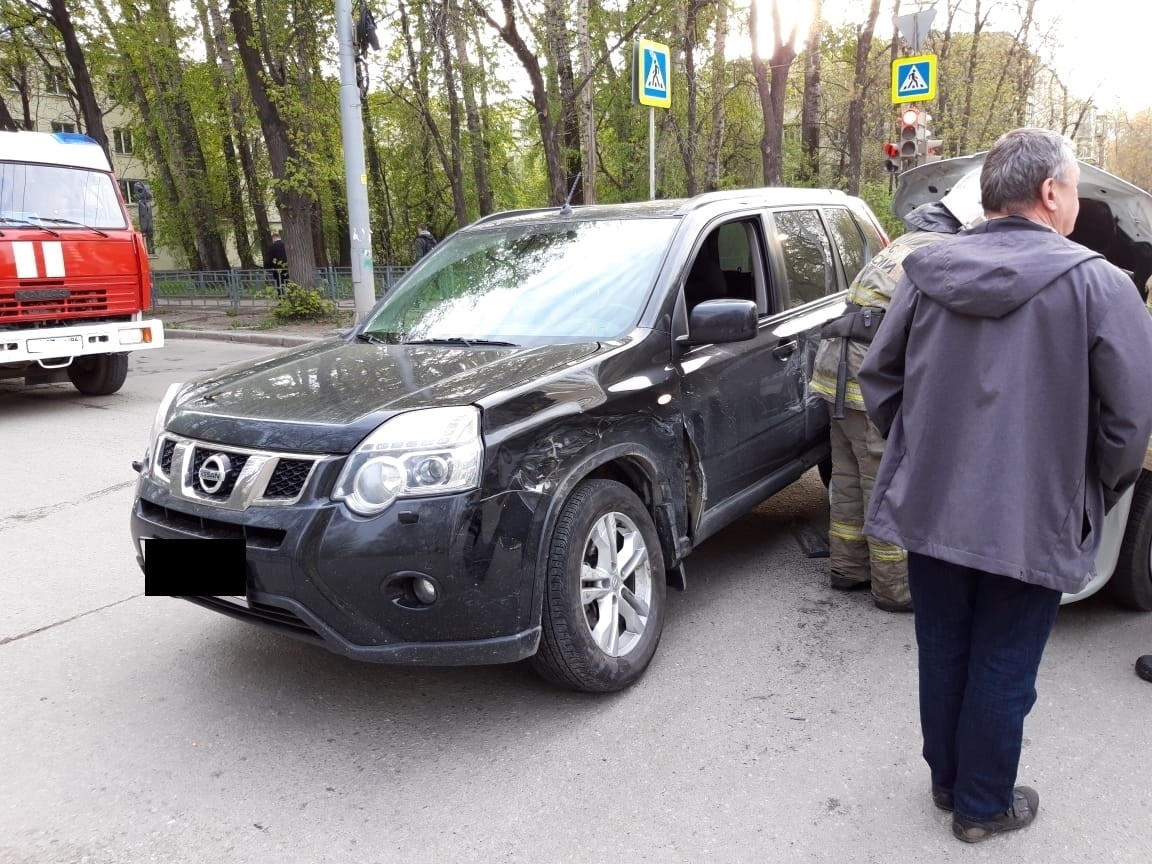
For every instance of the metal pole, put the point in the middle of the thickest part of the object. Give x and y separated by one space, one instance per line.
355 174
651 153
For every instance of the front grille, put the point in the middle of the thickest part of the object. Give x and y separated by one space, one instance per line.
237 460
166 451
288 478
211 529
83 301
189 469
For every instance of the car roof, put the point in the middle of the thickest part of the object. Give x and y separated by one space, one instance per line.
70 149
767 196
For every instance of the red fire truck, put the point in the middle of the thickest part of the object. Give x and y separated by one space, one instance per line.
74 279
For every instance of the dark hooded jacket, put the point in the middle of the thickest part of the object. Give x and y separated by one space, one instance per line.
1011 378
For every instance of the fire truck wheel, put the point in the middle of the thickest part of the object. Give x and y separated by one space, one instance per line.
99 375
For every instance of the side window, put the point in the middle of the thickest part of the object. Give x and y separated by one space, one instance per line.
846 234
807 255
873 242
724 266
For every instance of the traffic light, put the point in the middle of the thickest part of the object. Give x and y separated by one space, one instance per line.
933 147
891 157
911 124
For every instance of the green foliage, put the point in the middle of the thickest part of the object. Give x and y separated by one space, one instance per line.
151 55
300 304
877 195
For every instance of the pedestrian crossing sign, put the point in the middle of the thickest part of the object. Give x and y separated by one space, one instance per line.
652 66
914 79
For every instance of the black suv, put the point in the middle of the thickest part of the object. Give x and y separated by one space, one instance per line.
513 453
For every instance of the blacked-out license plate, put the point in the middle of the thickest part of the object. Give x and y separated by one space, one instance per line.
195 568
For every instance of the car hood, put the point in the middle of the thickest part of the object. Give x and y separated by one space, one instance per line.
1131 205
326 396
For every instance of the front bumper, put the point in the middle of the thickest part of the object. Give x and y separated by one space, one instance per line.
319 573
55 347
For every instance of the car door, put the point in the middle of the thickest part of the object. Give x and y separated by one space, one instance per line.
743 403
810 279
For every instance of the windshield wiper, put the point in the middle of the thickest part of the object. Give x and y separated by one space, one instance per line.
16 220
460 340
374 339
71 222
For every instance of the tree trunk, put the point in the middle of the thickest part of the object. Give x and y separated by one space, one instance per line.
771 84
476 134
7 121
860 80
419 86
688 139
560 59
377 189
455 167
511 36
171 199
719 91
294 203
252 180
588 140
978 26
81 80
188 154
813 98
231 171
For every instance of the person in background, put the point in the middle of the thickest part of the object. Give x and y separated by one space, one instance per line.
856 559
276 263
144 200
1010 379
424 241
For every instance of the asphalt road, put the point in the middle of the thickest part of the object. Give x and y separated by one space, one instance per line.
777 723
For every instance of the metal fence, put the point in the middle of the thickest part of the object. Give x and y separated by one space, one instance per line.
255 288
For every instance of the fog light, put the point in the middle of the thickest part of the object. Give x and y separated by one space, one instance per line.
424 589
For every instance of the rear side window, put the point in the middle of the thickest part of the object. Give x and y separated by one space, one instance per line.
873 242
846 234
807 255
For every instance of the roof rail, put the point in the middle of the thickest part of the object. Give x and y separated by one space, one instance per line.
504 214
783 194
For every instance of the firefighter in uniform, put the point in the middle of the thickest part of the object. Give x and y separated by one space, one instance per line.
856 559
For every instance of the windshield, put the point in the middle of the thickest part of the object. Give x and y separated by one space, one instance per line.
64 198
569 281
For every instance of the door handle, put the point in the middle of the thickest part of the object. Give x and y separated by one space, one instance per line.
784 349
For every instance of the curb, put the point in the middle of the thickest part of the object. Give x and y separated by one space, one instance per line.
251 338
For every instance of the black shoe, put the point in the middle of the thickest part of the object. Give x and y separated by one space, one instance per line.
942 799
889 606
1025 803
1144 667
846 583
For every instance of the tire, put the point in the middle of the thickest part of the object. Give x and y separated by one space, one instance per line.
1131 584
582 647
100 374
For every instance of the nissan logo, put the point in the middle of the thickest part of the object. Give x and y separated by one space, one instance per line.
214 472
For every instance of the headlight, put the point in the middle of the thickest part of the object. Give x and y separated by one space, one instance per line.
160 421
433 451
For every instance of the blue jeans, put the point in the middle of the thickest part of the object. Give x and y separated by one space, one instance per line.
980 639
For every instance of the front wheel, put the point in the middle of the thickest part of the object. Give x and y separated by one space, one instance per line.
98 374
604 591
1131 584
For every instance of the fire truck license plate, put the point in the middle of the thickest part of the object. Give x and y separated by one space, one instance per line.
43 346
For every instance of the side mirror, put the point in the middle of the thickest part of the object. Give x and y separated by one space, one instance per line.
720 321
